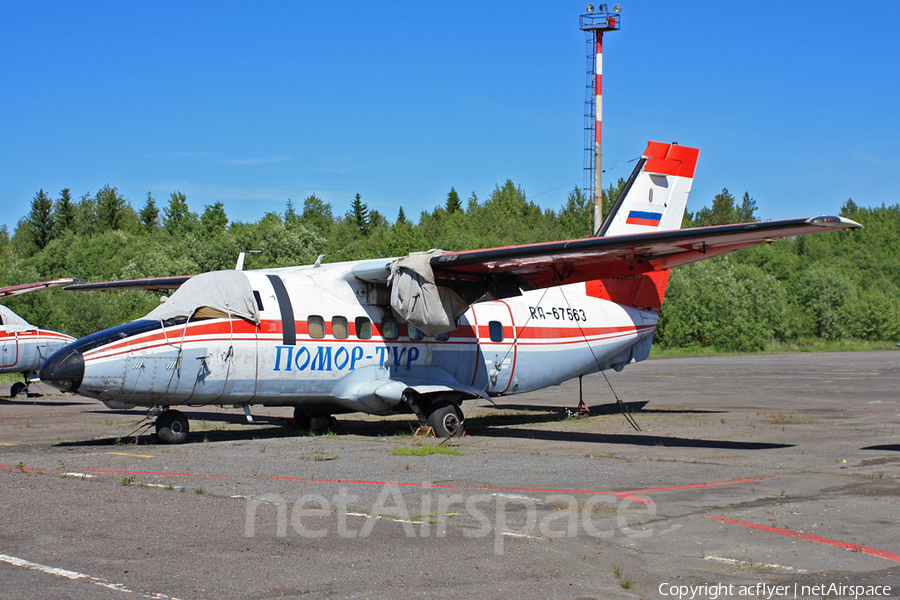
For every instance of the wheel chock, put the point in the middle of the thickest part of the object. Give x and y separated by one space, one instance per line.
424 431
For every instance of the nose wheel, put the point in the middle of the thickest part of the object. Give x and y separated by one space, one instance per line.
172 427
17 388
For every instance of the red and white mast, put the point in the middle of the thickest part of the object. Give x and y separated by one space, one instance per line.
594 24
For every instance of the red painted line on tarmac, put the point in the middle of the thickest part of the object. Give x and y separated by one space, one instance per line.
151 473
15 468
812 538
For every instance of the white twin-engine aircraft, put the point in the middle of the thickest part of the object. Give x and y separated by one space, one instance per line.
24 347
415 334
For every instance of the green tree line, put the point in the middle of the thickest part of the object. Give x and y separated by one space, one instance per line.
822 287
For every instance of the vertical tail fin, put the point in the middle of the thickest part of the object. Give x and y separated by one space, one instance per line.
655 197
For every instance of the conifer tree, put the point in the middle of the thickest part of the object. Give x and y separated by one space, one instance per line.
150 215
360 214
64 213
110 208
453 202
40 220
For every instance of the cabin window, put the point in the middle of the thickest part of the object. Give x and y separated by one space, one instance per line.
390 329
259 304
414 333
442 337
496 330
340 328
363 328
316 327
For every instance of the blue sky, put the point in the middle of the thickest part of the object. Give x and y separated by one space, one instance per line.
254 103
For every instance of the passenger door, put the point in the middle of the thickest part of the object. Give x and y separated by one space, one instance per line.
9 349
497 340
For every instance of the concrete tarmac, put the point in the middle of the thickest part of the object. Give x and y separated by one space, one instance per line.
769 476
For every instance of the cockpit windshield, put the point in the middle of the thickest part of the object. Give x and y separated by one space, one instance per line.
219 294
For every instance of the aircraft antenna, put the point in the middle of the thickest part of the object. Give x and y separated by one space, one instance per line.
594 23
239 266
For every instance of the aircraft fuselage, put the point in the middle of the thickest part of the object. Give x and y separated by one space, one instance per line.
330 343
25 351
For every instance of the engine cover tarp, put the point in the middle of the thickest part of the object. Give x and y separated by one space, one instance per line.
225 291
416 298
13 322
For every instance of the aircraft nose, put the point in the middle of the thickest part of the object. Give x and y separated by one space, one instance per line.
64 370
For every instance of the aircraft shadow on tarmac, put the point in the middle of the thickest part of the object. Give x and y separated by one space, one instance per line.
490 425
887 447
5 401
627 439
608 409
145 436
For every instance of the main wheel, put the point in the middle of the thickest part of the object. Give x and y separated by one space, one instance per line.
16 389
445 418
172 427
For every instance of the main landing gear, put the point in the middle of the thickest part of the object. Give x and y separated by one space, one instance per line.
172 427
441 412
17 388
445 418
303 422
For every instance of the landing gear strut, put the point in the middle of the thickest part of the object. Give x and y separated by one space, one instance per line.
172 427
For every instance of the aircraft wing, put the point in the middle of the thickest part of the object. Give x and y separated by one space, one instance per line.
535 266
156 284
24 288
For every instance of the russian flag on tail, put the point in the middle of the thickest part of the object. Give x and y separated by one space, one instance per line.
639 217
